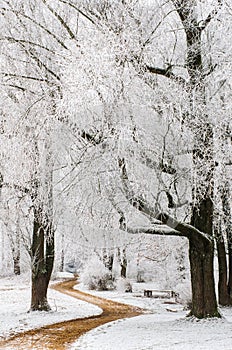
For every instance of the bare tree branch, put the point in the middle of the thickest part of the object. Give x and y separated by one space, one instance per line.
78 10
122 220
136 201
161 230
17 13
61 20
166 72
31 43
211 15
187 230
20 188
11 75
41 64
165 168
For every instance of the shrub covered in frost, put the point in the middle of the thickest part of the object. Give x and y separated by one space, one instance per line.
95 276
123 285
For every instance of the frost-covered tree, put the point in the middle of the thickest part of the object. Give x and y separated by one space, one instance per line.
153 74
140 89
32 36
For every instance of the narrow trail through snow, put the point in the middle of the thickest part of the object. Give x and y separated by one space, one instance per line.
60 335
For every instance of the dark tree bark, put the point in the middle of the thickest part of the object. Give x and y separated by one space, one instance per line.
42 261
17 251
201 256
16 262
61 267
108 260
124 266
123 262
223 295
42 250
14 238
225 194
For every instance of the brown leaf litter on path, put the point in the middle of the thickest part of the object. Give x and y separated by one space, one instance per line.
60 335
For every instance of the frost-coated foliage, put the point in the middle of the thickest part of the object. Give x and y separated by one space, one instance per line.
77 96
95 276
123 285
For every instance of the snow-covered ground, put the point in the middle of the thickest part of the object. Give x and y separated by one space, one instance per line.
164 326
166 329
15 303
159 332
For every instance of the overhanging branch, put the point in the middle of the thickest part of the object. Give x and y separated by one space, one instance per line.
162 230
166 72
187 230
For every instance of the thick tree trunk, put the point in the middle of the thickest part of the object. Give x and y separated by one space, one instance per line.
229 285
201 252
42 262
39 293
201 255
42 250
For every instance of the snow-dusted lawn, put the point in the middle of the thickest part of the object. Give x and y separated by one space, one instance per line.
163 330
158 332
15 303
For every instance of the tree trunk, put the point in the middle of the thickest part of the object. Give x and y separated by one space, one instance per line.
124 267
42 262
223 295
229 285
16 262
39 292
123 262
201 255
61 267
16 250
204 303
42 250
226 206
108 260
201 252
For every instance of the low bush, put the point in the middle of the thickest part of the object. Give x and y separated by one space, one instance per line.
95 276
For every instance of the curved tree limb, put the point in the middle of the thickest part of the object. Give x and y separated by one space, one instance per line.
211 15
136 201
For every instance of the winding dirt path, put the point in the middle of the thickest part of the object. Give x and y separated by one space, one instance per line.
58 336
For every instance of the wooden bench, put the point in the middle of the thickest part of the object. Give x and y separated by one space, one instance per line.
149 293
